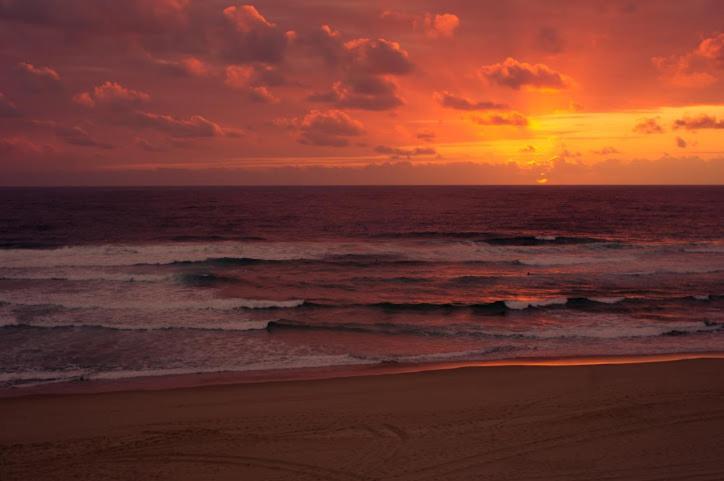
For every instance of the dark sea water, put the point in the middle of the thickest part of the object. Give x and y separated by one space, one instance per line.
114 283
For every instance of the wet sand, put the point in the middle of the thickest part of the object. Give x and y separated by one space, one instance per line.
652 421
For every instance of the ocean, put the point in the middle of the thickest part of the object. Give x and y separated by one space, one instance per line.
111 283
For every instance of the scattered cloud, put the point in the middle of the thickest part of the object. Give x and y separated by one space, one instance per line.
79 137
253 38
698 68
252 80
185 67
648 126
112 95
513 118
549 40
22 146
452 101
433 25
7 107
699 122
426 135
106 17
331 128
195 126
365 92
516 75
606 151
378 56
38 79
440 25
398 152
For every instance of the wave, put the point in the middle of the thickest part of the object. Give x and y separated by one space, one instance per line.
248 253
467 330
245 325
23 379
503 306
493 307
542 240
205 279
474 331
494 238
231 304
82 277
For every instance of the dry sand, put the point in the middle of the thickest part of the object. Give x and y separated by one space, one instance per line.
659 421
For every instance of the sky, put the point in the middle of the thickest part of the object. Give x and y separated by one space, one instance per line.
183 92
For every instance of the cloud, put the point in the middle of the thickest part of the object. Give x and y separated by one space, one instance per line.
112 95
699 122
254 38
695 69
255 75
22 147
516 75
364 92
331 128
606 151
681 143
7 107
195 126
367 66
327 43
397 152
452 101
433 25
648 126
185 67
38 79
513 118
252 80
79 137
149 146
440 25
426 135
102 16
378 56
549 40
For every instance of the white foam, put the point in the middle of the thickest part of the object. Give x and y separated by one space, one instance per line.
612 330
148 304
607 300
520 304
239 325
86 275
32 378
572 259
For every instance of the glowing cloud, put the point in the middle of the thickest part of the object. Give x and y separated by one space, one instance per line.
699 122
329 128
516 75
112 94
451 101
648 126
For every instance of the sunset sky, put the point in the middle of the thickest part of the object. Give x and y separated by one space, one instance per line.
361 92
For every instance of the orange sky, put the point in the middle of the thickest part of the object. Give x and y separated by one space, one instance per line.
355 92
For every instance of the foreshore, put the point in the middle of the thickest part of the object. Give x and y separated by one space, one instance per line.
104 384
638 421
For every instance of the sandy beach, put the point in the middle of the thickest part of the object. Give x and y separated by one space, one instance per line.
651 421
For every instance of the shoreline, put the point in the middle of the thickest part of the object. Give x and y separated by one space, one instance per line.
165 382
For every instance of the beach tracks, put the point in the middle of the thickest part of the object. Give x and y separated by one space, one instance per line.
657 434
